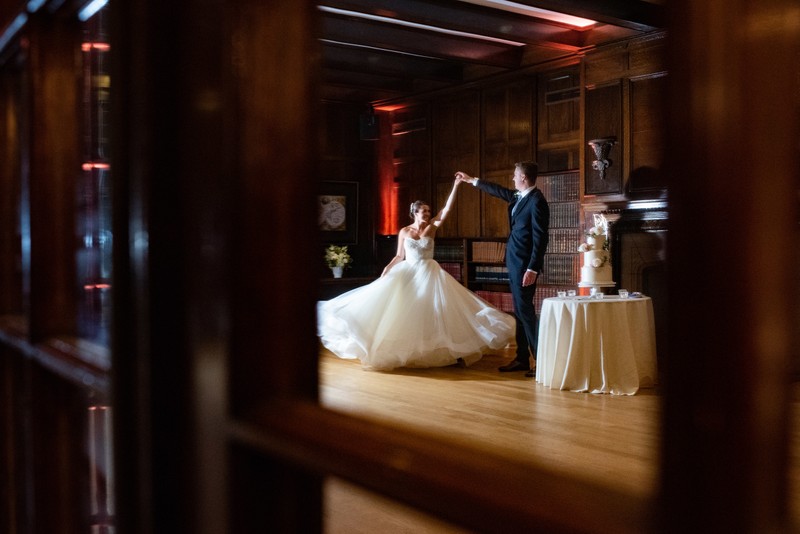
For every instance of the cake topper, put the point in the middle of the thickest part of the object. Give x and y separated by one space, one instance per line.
601 222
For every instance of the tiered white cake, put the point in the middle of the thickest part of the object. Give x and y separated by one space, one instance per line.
596 269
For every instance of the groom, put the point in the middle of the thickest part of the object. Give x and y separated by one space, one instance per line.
529 220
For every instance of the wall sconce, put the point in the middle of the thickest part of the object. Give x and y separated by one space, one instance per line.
601 148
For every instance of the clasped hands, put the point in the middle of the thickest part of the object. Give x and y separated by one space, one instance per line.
461 176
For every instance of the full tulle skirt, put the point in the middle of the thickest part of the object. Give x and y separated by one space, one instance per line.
416 316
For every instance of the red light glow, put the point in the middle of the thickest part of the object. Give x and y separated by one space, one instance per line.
89 165
102 47
97 286
387 188
389 107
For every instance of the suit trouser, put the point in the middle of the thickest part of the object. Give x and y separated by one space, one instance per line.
527 323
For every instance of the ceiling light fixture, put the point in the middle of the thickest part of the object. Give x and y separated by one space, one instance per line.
399 22
523 9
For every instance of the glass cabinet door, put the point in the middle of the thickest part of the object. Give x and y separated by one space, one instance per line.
94 234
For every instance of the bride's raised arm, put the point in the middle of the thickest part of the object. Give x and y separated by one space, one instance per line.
437 221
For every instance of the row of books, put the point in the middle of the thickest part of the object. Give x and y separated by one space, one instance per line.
453 268
562 241
448 252
491 273
565 240
559 187
561 269
499 299
564 215
502 300
489 251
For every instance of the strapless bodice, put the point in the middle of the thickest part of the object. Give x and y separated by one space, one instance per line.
419 249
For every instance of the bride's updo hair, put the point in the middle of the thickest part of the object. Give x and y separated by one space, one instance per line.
415 206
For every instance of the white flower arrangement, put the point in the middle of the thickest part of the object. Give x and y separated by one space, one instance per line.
598 262
336 256
596 231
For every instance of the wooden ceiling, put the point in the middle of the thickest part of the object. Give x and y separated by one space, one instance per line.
379 51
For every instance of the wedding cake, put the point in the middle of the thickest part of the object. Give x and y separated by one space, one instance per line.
596 269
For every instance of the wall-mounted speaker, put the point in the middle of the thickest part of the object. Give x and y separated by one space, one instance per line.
369 128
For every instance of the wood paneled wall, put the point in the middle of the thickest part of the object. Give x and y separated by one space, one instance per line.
345 157
456 147
508 131
616 91
410 143
624 96
548 115
559 119
10 242
54 99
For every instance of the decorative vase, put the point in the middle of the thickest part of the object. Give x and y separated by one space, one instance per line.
601 149
337 271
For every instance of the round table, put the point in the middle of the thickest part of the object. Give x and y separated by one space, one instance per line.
603 345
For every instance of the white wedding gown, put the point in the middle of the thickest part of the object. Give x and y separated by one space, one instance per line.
418 315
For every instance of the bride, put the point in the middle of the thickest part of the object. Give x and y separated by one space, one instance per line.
416 314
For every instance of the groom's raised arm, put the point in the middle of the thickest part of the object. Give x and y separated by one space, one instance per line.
488 187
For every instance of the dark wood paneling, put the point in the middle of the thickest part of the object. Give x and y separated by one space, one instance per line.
456 141
54 97
559 106
411 139
728 426
10 180
508 137
604 119
604 65
507 125
58 455
340 133
557 159
494 211
648 125
647 56
635 114
495 125
345 157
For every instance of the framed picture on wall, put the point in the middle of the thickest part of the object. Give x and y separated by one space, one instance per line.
337 204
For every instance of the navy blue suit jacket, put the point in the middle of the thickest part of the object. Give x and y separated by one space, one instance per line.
529 225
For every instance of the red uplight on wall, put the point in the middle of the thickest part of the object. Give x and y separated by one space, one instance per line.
386 186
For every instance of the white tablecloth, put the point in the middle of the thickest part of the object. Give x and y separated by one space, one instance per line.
599 345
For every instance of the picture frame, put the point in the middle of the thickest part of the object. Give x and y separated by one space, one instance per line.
337 215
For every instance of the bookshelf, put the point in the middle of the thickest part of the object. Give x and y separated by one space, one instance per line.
449 252
487 274
562 262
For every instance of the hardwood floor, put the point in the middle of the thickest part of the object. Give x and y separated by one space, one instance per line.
612 440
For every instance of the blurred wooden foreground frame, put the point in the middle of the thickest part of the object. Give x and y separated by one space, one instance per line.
218 423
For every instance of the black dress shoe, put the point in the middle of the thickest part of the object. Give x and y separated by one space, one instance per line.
515 365
531 373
